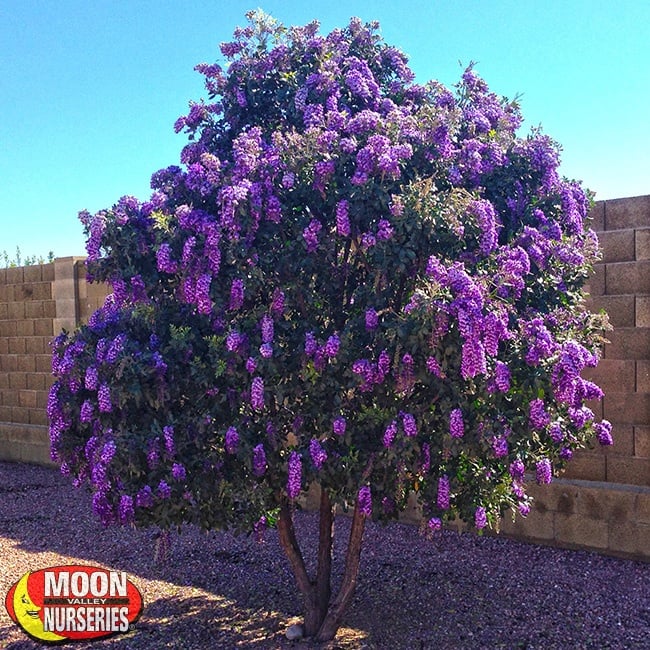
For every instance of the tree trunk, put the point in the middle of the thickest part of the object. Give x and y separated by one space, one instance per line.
322 618
337 610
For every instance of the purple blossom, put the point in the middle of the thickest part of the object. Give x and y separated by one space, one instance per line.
87 411
104 399
500 446
178 472
502 376
372 319
164 259
480 518
364 500
434 367
410 427
517 469
144 498
168 436
332 346
389 434
339 425
233 341
434 524
267 329
236 294
456 424
556 433
426 458
311 344
202 293
544 471
251 365
443 499
310 235
259 460
603 430
257 393
277 304
384 230
342 219
231 440
164 491
294 475
317 453
538 416
266 350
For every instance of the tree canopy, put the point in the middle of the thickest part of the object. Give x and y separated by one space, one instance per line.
351 280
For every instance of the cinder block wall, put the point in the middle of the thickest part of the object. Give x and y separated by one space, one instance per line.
601 503
36 303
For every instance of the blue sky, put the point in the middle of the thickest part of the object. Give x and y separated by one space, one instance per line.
90 89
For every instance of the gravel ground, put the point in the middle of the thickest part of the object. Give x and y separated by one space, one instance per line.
217 591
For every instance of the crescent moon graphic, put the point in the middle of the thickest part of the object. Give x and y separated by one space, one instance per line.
27 613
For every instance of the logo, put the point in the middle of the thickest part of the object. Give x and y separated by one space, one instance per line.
73 603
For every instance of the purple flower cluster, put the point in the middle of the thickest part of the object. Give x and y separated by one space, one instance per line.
257 393
339 425
231 440
537 414
320 169
364 500
456 424
544 471
259 460
317 453
294 475
443 498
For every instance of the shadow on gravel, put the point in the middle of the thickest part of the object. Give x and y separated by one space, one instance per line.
218 591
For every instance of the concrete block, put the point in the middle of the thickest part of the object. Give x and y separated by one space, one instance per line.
627 278
42 291
629 538
577 530
595 285
643 375
617 245
628 343
43 327
628 471
612 374
606 503
47 272
35 309
14 275
642 441
26 363
620 309
642 508
16 310
536 526
587 466
623 435
627 408
597 217
642 244
632 212
17 345
642 316
32 273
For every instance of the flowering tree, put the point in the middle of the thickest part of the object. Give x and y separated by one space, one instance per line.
354 282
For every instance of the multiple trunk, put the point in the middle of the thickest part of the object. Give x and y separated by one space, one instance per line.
323 616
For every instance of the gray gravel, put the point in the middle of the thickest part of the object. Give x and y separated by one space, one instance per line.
217 591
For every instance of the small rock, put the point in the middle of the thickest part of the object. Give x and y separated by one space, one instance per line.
294 632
